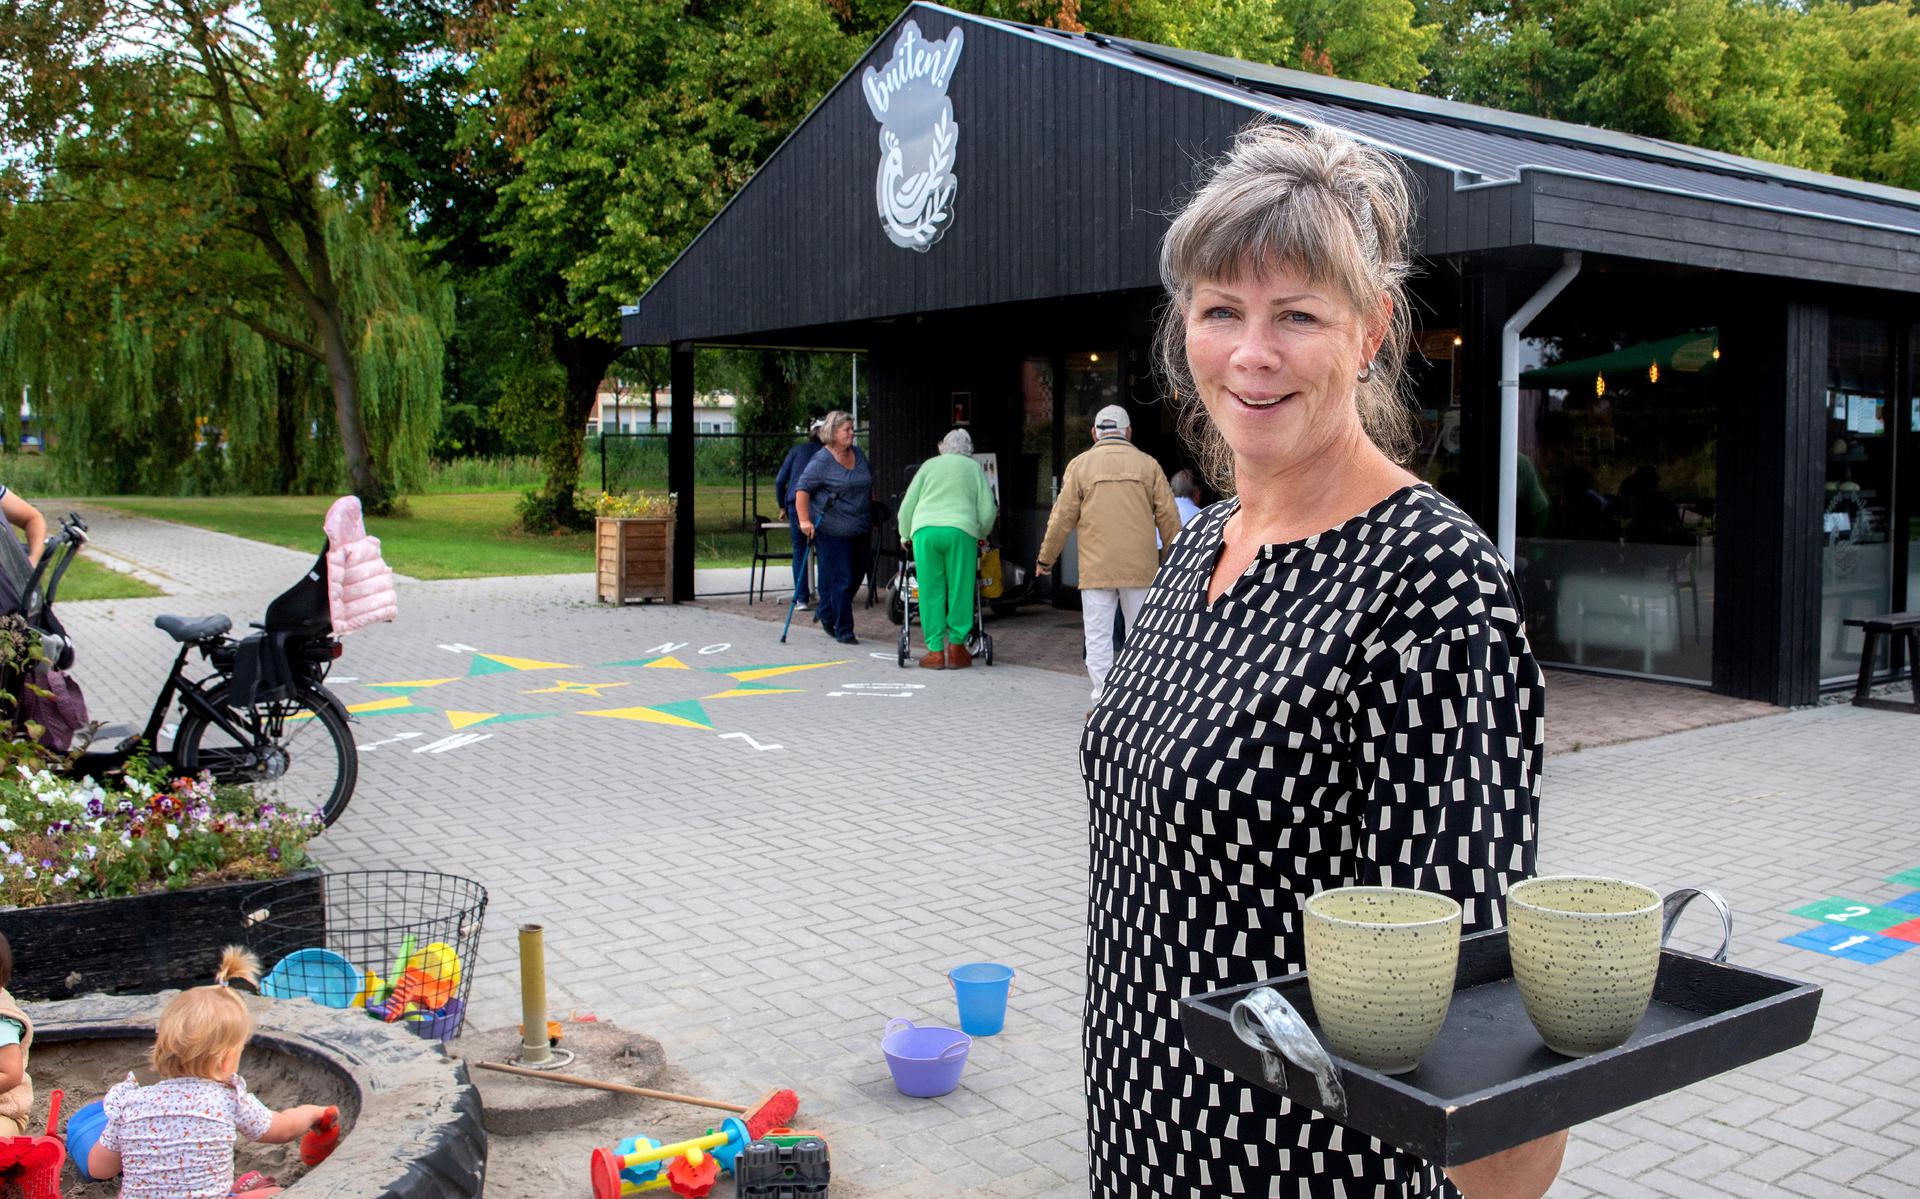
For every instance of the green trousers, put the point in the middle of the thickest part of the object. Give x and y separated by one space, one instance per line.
945 560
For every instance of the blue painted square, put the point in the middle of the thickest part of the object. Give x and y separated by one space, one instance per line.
1906 903
1849 944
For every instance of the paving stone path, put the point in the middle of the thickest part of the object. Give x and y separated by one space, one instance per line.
759 853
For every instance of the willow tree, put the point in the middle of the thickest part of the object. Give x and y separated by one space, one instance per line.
180 213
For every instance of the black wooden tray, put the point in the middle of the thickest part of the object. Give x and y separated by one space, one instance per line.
1489 1083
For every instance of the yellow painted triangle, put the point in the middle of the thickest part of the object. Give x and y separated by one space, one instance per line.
648 716
460 720
667 664
767 672
382 705
410 684
526 663
743 692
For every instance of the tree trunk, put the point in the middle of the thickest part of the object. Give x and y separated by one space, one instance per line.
585 361
363 474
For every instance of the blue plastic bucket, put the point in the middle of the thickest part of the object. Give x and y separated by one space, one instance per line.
926 1062
83 1131
980 988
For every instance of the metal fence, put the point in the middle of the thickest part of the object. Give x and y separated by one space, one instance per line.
749 461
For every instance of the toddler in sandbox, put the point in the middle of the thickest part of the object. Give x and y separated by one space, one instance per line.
16 1037
174 1139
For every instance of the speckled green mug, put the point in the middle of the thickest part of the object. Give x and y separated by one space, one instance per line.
1585 954
1380 968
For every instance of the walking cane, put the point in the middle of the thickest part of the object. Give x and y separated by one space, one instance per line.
791 603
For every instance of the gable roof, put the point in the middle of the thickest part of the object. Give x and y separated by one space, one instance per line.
1073 148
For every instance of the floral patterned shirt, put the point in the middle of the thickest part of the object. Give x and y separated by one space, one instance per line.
175 1138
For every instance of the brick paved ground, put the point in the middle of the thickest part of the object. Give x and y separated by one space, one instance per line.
764 903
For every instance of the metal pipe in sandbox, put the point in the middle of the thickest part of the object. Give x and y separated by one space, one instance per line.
534 1050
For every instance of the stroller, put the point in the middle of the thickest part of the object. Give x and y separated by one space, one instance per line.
903 600
44 695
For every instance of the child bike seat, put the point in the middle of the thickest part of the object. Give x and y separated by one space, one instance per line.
191 628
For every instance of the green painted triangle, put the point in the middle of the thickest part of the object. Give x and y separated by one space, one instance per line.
760 687
510 717
409 710
745 669
632 662
687 709
487 666
1909 878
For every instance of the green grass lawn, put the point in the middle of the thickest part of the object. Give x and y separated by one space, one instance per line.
86 580
469 535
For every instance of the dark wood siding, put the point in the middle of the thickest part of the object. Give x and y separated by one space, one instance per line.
1068 165
1579 214
1771 467
1066 168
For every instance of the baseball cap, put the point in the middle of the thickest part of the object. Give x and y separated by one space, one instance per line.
1111 421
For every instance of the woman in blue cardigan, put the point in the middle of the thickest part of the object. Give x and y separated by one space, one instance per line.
835 500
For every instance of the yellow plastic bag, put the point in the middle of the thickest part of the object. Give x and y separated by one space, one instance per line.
991 584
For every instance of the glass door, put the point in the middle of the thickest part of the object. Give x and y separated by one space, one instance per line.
1856 522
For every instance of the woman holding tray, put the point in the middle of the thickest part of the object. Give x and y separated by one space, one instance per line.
1329 684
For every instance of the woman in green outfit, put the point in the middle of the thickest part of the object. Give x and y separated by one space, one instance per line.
944 520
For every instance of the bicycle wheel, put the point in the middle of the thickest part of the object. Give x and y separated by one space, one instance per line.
297 754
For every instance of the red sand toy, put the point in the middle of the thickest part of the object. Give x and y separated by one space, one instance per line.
34 1162
321 1139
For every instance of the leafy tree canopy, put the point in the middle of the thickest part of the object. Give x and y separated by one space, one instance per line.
178 235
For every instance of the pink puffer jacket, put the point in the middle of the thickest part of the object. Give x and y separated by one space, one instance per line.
359 582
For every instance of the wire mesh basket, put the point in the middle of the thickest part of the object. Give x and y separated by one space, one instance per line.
402 944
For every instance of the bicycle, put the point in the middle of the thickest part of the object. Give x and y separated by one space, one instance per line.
262 716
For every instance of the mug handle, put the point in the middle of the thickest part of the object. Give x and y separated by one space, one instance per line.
1268 1023
1676 903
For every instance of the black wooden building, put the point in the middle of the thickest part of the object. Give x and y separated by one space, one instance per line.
1705 457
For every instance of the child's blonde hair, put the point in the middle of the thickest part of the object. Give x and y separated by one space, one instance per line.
202 1027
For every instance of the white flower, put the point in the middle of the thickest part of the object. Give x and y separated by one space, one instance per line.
32 873
92 852
126 838
6 825
173 831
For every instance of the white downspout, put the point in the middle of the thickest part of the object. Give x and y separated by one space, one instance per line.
1510 396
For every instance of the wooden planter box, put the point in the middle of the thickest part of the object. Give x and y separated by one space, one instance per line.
136 944
635 558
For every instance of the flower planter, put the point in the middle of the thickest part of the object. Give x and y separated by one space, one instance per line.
635 558
135 944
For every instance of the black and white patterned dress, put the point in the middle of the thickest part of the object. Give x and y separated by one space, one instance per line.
1359 707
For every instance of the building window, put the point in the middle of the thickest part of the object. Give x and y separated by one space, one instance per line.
1617 490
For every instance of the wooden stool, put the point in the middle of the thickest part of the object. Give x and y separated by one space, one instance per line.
1894 625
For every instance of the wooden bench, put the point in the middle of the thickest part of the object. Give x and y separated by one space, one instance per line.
1893 625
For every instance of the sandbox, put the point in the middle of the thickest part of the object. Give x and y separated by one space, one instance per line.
412 1115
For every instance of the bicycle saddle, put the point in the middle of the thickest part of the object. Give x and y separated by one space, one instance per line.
189 628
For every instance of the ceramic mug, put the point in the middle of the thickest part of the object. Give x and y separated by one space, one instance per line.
1586 952
1380 968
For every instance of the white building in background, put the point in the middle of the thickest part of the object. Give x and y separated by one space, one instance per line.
626 410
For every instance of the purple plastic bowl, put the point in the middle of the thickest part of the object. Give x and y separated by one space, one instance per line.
926 1062
432 1026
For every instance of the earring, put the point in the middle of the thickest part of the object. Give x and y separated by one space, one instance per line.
1366 372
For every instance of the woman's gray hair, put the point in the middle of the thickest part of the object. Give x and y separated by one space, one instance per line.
957 442
1304 198
830 424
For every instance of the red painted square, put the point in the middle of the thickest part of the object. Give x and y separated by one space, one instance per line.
1910 931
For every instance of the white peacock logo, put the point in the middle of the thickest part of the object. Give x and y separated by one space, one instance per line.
919 139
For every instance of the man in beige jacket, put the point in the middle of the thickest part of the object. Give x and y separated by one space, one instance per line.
1117 499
